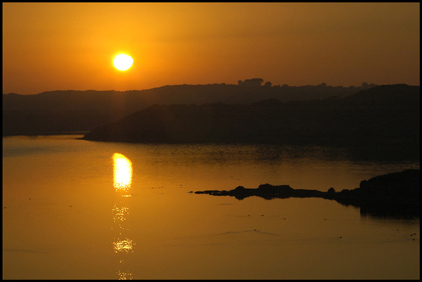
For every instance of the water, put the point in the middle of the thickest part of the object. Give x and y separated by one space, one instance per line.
75 209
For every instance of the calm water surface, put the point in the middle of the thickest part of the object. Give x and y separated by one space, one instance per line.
75 209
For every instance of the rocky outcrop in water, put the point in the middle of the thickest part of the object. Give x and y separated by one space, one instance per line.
391 195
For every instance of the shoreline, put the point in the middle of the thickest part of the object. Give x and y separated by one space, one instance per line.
395 195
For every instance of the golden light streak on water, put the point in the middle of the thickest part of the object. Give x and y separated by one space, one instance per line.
122 171
120 213
122 181
123 246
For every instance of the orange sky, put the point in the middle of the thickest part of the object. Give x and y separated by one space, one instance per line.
60 46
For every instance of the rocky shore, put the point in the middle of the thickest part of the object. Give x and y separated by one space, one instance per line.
391 195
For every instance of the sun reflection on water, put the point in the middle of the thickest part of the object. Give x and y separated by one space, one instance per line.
123 246
120 213
124 275
122 181
122 170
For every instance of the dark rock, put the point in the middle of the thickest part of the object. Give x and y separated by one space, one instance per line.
391 195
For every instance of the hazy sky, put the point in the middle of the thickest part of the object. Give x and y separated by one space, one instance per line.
60 46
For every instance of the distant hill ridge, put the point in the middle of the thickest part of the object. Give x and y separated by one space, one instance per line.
54 112
385 115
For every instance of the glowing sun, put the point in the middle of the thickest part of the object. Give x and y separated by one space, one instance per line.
122 62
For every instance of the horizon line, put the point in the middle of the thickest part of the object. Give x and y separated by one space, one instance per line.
227 84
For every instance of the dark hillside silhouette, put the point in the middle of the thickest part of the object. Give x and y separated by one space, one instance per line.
56 112
381 116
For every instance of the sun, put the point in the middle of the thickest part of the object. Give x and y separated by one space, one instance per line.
123 62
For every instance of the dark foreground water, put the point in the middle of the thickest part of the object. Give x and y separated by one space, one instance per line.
75 209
